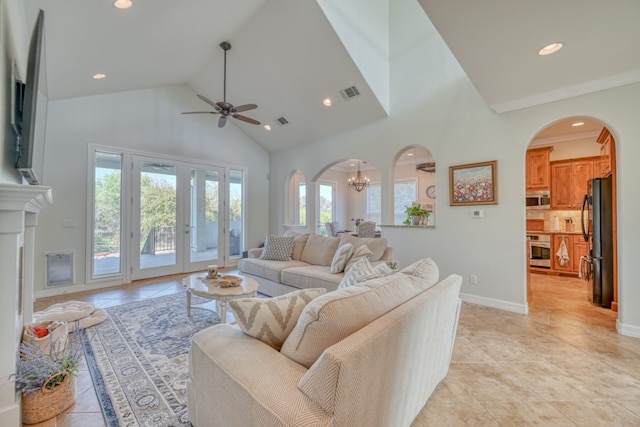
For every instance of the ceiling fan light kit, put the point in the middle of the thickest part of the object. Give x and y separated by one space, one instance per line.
224 108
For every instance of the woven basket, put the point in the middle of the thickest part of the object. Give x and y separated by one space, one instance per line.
45 404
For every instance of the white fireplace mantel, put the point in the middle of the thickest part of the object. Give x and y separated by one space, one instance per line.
19 208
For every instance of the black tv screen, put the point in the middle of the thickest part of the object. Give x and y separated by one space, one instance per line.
24 159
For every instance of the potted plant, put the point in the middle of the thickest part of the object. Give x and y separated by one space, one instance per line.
415 214
46 377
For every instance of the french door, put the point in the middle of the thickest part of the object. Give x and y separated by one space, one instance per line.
177 217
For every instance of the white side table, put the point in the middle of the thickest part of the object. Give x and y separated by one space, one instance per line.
196 286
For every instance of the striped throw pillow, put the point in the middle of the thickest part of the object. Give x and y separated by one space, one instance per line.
271 320
359 272
340 259
277 248
358 253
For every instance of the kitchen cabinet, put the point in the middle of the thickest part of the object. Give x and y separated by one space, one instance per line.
605 139
570 182
580 248
537 168
557 240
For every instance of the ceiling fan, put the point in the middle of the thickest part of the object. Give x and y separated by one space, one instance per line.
224 108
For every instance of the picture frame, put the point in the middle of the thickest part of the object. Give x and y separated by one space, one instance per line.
473 184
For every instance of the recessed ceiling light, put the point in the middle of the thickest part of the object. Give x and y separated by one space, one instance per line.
99 76
267 127
409 154
550 48
576 124
352 164
327 102
122 4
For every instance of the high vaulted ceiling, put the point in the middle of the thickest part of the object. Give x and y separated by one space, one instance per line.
286 56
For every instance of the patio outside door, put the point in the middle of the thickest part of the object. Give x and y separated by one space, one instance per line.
177 220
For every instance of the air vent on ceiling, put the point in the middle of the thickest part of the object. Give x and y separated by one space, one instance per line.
282 121
350 92
426 167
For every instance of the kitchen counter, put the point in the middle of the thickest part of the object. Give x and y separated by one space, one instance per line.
554 232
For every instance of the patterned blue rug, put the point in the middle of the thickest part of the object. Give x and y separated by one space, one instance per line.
138 359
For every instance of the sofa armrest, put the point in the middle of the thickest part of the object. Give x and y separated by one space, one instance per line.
254 252
238 380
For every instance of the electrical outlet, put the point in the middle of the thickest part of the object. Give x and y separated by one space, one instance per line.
473 279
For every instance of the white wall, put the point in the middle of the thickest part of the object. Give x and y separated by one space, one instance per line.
435 105
146 120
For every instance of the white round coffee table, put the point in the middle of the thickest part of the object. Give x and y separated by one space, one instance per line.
197 286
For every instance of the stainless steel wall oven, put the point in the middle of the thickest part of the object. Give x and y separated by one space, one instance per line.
539 250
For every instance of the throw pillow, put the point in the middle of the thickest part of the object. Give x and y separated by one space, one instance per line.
425 268
383 270
271 319
277 248
359 253
340 259
360 271
320 250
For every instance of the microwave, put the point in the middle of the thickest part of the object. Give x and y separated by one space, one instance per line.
538 200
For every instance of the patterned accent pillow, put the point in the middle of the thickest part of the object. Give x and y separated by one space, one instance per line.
277 248
271 320
383 270
340 259
360 252
360 271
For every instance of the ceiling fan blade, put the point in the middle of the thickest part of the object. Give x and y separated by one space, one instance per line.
222 121
245 107
207 100
199 112
246 119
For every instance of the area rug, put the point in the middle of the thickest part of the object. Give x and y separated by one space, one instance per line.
138 360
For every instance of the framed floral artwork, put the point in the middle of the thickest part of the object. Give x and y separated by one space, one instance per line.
473 184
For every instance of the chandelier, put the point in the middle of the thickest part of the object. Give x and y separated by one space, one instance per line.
358 182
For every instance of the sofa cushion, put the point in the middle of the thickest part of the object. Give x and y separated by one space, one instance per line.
271 319
360 271
359 253
311 276
331 317
342 256
424 268
277 248
320 250
267 269
376 245
299 241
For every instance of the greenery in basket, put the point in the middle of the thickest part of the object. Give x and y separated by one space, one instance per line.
414 211
35 365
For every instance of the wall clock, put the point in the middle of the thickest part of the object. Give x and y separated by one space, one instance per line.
431 191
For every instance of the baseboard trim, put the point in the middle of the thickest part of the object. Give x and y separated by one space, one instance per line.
627 330
495 303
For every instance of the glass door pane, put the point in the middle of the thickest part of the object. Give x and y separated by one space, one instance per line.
205 226
156 211
107 215
325 206
236 213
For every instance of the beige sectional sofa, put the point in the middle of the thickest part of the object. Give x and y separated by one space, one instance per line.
310 263
365 355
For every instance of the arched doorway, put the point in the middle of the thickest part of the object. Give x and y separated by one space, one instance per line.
564 162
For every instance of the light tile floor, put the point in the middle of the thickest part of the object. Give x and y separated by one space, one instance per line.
563 364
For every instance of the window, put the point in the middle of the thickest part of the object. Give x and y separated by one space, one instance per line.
374 198
326 207
107 214
404 195
297 199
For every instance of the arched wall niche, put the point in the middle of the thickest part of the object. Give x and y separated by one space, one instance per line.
414 182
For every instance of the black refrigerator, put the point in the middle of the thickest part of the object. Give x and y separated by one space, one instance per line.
597 229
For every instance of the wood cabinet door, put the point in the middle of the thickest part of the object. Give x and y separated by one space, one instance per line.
557 242
561 186
581 174
579 249
538 168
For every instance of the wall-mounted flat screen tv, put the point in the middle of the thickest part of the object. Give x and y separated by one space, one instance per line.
26 139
